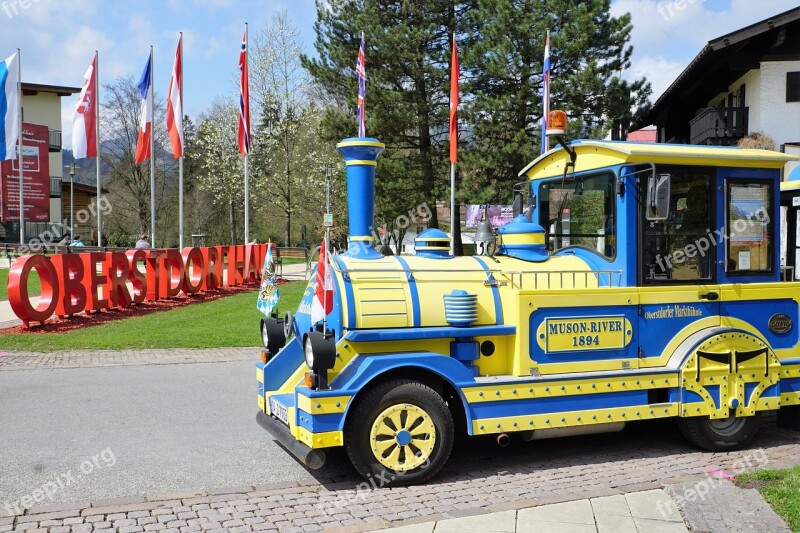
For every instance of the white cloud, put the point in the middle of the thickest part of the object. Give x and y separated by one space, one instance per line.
666 37
660 72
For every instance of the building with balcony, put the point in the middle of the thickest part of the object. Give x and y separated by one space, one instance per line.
41 104
744 82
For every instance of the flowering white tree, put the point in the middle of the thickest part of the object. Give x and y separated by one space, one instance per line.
288 157
222 170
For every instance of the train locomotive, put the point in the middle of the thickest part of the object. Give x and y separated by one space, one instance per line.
636 282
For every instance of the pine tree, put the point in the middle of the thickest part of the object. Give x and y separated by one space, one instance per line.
407 58
503 58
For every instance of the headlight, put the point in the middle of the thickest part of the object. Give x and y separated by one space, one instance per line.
308 349
272 335
320 352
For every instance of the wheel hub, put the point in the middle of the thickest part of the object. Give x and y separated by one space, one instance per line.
402 437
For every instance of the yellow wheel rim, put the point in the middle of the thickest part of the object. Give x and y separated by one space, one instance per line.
402 437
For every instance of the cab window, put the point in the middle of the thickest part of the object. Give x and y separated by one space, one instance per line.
682 247
580 212
749 227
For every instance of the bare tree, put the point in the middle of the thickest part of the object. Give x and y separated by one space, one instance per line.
129 184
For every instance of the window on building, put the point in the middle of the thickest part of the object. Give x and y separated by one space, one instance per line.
793 86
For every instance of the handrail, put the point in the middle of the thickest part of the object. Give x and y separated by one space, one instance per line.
598 274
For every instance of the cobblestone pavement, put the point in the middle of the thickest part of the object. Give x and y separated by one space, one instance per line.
98 358
725 507
480 478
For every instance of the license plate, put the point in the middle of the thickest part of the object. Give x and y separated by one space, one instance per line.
279 411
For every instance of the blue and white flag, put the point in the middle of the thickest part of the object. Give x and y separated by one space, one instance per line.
268 294
9 107
546 91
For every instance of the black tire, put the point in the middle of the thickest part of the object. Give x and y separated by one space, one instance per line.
722 434
789 417
399 396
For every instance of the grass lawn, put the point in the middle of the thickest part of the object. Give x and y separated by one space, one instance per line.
229 321
33 284
781 489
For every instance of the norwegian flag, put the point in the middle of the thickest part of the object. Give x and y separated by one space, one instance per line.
244 100
361 72
546 106
322 304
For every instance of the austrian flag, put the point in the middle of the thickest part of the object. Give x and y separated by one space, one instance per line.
322 304
174 104
84 121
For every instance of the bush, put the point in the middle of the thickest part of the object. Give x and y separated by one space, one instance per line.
757 141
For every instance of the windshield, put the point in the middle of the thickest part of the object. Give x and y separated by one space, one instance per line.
580 212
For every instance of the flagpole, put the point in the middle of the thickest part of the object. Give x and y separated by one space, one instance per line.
97 140
454 73
248 144
180 161
19 153
152 157
546 110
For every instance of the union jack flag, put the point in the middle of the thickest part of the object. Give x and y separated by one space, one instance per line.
361 72
244 100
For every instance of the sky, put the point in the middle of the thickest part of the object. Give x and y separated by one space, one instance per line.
58 38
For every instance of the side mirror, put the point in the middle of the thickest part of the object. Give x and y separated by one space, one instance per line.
518 205
658 197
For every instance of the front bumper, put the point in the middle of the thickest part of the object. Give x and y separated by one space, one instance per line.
313 459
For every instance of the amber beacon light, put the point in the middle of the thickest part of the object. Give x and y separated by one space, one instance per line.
557 123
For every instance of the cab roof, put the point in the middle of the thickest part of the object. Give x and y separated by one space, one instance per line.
592 155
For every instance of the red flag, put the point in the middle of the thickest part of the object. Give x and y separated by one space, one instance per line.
175 104
361 72
244 100
84 131
323 288
454 74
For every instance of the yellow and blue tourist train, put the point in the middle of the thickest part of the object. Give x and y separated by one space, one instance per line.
637 281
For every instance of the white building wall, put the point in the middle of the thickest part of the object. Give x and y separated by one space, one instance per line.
779 119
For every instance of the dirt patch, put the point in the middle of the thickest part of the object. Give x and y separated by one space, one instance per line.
751 484
56 325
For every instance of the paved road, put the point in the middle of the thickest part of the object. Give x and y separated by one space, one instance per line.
169 427
190 427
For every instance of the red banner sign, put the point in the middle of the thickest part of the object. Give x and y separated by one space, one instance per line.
92 281
35 178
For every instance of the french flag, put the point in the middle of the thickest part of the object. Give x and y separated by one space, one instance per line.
84 120
9 107
146 121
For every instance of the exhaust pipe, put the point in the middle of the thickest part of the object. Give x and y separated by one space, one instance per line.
503 440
